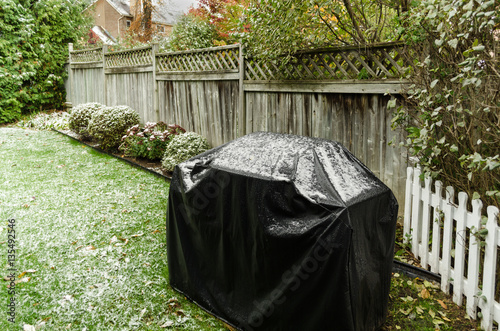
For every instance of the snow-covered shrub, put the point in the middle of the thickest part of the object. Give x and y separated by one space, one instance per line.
109 125
43 121
149 142
81 115
182 148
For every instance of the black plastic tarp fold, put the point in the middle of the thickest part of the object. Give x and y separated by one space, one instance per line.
282 232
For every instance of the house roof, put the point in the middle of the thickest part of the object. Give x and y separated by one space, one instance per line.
161 14
121 6
104 35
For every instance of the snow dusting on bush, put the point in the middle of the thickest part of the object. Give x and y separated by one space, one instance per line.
182 148
81 115
109 125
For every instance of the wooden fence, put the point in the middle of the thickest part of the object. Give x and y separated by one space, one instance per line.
338 93
449 239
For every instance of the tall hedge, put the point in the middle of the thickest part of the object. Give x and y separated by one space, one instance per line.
34 37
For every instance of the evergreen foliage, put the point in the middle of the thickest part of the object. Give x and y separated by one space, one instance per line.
34 37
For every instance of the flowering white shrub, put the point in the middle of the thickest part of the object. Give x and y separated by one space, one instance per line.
81 115
109 125
183 147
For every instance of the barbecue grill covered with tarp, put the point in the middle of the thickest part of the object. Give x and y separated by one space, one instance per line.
282 232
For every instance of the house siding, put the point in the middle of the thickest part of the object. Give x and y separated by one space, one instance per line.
107 16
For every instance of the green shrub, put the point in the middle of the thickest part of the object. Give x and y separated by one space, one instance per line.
43 121
109 124
81 115
182 148
34 37
451 111
149 142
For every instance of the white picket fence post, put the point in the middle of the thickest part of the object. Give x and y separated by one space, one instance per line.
429 215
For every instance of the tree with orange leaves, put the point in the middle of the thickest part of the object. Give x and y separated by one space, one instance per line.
141 28
225 17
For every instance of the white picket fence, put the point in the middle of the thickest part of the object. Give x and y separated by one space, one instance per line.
445 237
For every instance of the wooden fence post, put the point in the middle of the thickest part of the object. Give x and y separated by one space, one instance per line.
489 273
154 50
426 219
447 242
242 118
407 219
104 83
70 75
473 261
437 202
416 218
460 240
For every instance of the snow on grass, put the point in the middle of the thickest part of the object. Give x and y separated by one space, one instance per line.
90 234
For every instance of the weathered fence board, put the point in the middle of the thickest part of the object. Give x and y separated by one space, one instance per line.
135 90
206 107
222 95
88 85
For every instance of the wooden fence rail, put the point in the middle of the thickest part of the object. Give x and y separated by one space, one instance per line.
449 239
338 94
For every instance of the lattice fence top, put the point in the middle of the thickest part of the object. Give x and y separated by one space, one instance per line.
374 62
223 59
131 57
86 55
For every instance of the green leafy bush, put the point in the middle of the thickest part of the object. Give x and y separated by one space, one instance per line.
182 148
34 37
81 115
42 121
109 124
149 142
452 109
191 32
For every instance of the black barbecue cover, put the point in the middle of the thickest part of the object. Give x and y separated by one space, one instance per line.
282 232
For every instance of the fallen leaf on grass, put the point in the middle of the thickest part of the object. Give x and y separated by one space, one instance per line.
90 248
180 313
405 312
156 231
78 247
22 280
173 303
167 324
442 304
142 313
424 294
137 235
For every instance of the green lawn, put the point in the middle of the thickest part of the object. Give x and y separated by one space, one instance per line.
90 247
90 240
